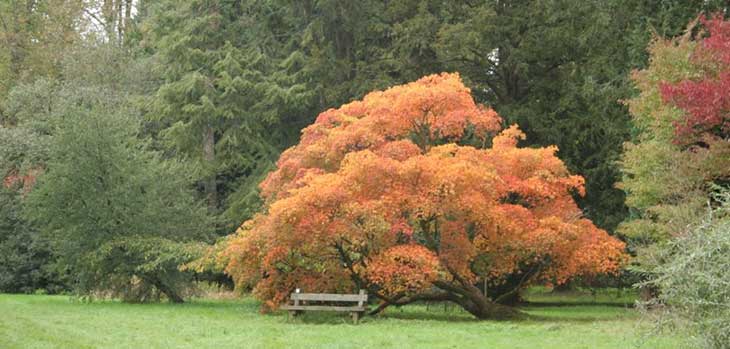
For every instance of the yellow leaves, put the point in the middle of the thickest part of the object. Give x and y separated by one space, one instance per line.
434 108
508 138
403 269
399 150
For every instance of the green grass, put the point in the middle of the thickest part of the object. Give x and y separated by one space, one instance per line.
33 321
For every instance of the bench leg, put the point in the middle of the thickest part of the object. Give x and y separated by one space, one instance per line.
355 317
292 314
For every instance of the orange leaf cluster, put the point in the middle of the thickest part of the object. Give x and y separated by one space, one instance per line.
27 181
403 269
436 108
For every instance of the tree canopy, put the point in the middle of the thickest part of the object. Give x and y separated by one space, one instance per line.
384 194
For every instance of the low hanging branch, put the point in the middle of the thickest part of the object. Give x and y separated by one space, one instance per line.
403 300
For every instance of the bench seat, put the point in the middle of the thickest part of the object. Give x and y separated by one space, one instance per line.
302 302
323 308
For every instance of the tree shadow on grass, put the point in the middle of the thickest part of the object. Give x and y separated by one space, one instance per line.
403 313
573 304
539 312
564 317
571 319
322 318
576 313
429 316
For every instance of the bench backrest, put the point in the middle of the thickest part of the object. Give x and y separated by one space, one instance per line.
360 298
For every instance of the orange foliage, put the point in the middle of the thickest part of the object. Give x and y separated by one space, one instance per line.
403 269
368 199
434 108
26 181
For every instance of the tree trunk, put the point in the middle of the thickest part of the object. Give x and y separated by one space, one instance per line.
458 290
507 292
127 19
171 294
473 300
510 298
209 182
483 308
174 297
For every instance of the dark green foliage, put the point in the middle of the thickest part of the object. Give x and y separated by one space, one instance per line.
229 100
30 104
22 150
101 185
558 68
354 47
141 269
26 263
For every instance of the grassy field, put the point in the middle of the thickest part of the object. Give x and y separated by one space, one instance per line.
32 321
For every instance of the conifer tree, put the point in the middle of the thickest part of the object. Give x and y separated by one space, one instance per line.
225 94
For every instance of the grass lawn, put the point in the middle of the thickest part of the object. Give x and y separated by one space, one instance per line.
33 321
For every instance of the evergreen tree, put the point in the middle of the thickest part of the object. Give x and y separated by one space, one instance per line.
229 100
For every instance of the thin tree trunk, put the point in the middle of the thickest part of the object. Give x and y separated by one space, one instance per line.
209 183
120 22
109 13
127 19
173 296
483 308
458 290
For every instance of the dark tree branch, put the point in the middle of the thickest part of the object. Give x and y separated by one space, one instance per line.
430 296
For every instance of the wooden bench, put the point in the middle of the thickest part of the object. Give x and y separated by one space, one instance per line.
317 301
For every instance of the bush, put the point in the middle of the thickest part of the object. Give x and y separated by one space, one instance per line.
142 269
118 214
26 262
695 279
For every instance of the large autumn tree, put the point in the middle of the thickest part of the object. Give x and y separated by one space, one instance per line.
390 194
